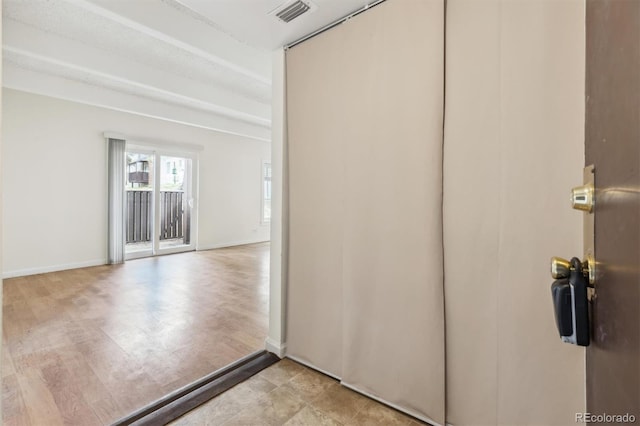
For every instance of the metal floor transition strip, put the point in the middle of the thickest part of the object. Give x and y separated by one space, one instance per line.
185 399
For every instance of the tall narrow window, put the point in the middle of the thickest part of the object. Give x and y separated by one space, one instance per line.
266 192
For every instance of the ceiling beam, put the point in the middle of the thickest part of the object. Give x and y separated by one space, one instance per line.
53 66
161 36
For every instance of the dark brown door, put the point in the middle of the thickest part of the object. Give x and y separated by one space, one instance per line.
613 146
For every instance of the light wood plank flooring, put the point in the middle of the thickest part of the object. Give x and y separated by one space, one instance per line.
88 346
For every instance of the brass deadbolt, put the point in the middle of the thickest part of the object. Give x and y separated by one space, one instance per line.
582 198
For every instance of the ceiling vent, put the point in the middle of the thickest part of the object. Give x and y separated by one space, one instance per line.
291 11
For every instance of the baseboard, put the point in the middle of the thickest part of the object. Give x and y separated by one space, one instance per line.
99 262
201 247
279 349
53 268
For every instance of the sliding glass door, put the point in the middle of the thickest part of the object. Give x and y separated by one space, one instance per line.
139 203
159 204
174 204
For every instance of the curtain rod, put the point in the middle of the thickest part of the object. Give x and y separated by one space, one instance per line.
333 24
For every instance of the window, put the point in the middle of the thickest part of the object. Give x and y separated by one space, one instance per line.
266 192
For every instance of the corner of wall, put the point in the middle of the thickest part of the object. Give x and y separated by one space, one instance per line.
278 261
278 348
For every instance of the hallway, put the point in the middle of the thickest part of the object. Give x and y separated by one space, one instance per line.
88 346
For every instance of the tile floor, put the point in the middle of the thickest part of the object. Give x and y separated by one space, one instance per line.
288 393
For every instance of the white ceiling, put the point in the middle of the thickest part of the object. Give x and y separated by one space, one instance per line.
199 62
251 21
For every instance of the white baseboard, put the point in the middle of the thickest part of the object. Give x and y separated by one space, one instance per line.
54 268
280 349
230 244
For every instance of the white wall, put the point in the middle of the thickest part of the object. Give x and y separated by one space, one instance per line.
1 154
230 191
279 221
55 183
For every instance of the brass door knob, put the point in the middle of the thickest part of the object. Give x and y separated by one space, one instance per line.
560 268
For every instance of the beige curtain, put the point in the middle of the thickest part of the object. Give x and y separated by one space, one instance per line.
316 201
365 297
514 146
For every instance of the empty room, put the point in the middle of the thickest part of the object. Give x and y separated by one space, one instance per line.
320 212
136 183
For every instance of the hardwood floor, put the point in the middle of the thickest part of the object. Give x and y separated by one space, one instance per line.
88 346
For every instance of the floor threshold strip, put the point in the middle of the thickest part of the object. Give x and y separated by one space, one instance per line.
185 399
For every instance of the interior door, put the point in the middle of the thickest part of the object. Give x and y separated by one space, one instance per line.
613 146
